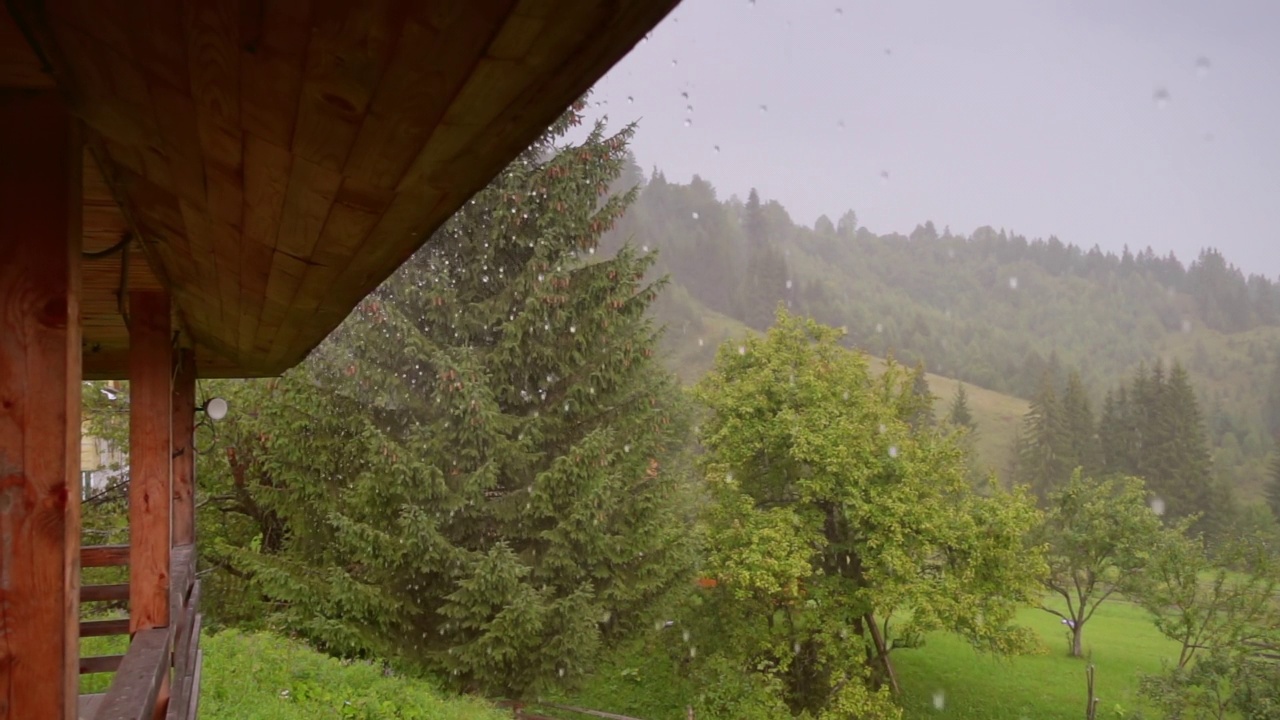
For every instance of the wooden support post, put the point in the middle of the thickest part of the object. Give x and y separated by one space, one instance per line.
150 458
40 202
184 452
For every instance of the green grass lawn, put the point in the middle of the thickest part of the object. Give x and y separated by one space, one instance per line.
1119 640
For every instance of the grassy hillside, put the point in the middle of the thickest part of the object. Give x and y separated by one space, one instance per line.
693 333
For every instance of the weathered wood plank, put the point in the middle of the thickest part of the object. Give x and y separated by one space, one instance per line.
89 706
104 593
184 452
40 239
100 664
273 49
104 628
137 683
104 555
150 458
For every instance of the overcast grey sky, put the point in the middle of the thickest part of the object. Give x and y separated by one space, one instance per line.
1041 117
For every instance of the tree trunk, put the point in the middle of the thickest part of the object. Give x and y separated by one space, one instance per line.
883 651
1077 637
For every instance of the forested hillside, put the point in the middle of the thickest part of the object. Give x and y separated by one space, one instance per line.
994 309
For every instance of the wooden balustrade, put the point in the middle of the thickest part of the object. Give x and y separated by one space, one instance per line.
152 653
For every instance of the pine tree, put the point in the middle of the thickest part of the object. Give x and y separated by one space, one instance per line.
922 415
531 507
1081 447
1043 462
959 414
1273 487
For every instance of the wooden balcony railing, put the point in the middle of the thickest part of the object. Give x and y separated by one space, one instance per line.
171 652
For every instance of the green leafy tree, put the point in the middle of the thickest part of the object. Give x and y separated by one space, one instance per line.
490 485
1220 609
1098 535
838 531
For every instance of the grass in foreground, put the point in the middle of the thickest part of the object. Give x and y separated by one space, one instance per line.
267 677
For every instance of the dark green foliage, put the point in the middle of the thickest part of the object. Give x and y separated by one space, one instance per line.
959 413
1153 429
1044 454
1273 487
480 472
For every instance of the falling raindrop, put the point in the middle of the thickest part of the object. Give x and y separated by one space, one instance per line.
695 214
840 124
939 700
701 342
1013 283
764 108
684 635
888 51
674 62
1161 98
788 284
884 177
630 99
717 149
840 11
893 451
1186 325
644 248
685 94
742 349
1157 505
688 108
687 122
1202 66
879 327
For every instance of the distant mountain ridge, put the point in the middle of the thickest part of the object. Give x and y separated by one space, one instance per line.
993 310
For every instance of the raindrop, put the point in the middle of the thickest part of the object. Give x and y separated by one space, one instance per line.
764 108
888 51
644 248
717 149
674 62
630 99
1161 98
879 327
695 214
701 342
1013 283
840 124
684 635
626 448
687 122
561 671
1186 325
840 12
693 652
742 349
882 428
846 394
606 616
688 108
1202 66
685 94
573 328
893 451
939 700
884 177
1157 505
788 284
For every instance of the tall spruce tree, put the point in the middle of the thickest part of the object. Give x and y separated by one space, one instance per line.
922 416
1273 487
1080 444
959 413
528 505
1043 463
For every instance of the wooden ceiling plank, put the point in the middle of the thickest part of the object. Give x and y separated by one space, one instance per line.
213 56
267 167
418 86
349 49
273 45
20 66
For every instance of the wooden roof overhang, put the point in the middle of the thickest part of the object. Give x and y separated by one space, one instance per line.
274 160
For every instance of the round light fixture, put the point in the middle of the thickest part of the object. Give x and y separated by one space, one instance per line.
215 408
